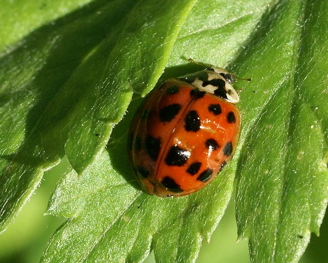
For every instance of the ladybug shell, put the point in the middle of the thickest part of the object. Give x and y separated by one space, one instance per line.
181 138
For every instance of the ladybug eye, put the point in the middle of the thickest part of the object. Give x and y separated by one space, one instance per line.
229 78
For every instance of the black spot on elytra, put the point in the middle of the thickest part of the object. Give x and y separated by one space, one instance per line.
172 89
223 165
197 94
215 109
171 185
228 148
143 171
194 168
192 121
231 118
168 113
153 146
177 156
205 175
212 144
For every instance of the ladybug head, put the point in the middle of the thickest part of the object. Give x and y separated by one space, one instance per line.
219 82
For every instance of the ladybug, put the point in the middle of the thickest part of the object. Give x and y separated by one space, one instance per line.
185 132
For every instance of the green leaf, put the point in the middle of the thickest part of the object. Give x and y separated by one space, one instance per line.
68 83
26 16
282 172
114 222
